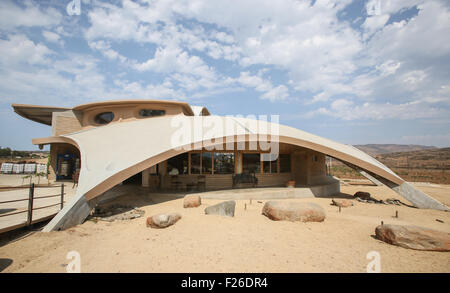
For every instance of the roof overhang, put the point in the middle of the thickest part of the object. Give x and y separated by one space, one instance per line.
185 106
40 114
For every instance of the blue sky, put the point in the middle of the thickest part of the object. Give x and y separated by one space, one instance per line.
357 72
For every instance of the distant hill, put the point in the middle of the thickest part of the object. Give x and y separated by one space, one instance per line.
425 165
429 158
379 149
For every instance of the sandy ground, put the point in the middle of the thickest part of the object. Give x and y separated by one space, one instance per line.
249 242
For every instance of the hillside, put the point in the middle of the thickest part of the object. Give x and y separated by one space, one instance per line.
426 165
378 149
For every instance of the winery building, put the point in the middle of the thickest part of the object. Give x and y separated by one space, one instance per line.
172 146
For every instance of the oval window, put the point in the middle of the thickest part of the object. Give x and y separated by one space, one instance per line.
104 118
151 113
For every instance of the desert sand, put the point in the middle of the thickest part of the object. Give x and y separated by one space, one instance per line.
249 242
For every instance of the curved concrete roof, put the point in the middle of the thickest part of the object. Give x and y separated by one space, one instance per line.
109 158
43 114
40 114
185 106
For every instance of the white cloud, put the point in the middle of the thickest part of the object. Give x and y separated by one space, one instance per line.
260 84
13 15
52 37
347 110
19 49
280 92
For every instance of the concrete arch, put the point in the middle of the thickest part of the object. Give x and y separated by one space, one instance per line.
115 152
148 162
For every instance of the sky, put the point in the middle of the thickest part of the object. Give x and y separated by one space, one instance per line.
354 71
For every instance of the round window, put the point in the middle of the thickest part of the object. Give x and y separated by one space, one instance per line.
104 118
151 113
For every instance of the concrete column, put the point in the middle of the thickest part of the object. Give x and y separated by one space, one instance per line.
238 162
145 177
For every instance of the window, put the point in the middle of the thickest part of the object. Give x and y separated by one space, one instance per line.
206 163
270 166
151 113
285 163
251 163
195 163
223 163
178 165
104 118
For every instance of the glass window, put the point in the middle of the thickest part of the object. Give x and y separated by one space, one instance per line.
251 163
104 118
151 113
285 163
195 163
223 163
206 163
178 165
270 166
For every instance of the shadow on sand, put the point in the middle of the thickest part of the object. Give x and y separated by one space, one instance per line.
4 263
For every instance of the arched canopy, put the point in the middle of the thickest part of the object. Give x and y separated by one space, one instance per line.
112 153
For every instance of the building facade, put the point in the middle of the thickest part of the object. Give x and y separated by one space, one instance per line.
169 145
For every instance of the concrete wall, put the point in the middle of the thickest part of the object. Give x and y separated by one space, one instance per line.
66 122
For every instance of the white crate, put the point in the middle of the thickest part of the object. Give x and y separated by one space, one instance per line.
18 168
29 168
41 168
7 168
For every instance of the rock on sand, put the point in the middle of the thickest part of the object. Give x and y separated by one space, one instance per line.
362 195
225 208
414 237
192 201
163 220
293 211
343 203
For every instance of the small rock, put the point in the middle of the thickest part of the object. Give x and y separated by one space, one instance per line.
293 211
163 220
343 203
192 201
362 195
414 237
225 208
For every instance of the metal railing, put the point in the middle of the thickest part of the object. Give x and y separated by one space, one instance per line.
31 198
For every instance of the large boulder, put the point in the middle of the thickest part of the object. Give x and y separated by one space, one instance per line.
163 220
225 208
362 195
414 237
293 211
343 203
192 201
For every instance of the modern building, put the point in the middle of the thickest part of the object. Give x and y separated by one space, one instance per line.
169 145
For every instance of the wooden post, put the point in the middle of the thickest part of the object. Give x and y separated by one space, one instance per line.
30 204
245 207
396 214
62 196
